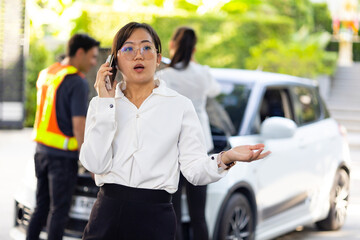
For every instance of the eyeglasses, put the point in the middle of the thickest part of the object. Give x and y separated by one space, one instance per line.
147 52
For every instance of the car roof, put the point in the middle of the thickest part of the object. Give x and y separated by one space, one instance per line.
256 76
253 76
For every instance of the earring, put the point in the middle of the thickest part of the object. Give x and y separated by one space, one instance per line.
123 85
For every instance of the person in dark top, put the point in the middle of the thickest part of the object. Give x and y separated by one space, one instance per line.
62 97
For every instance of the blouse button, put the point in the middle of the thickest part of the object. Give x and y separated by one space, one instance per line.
137 115
111 105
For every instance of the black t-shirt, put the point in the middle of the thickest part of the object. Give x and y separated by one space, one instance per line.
71 100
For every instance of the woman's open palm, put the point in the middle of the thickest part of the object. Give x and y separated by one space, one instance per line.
245 153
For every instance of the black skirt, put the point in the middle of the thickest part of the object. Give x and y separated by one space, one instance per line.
123 213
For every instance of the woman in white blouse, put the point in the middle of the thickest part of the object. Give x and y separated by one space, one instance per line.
139 135
195 82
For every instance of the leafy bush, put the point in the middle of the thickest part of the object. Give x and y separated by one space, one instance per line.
81 24
322 18
39 58
299 10
298 57
240 6
223 41
103 27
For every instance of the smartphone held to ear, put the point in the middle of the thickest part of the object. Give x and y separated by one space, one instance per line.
108 84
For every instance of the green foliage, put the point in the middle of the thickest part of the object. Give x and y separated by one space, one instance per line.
103 27
39 58
185 5
81 23
104 2
322 18
299 10
56 6
239 6
205 27
222 41
159 2
298 58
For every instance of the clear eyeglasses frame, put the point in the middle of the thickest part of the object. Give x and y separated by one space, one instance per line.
129 52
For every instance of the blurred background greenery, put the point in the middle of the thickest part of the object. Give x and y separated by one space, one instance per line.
285 36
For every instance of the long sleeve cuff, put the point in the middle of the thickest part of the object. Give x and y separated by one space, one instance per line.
220 165
106 109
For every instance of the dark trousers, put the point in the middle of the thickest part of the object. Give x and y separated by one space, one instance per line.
125 213
56 181
196 200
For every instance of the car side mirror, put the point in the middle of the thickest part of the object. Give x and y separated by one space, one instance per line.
278 127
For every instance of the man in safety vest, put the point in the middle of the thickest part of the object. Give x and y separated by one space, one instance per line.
62 98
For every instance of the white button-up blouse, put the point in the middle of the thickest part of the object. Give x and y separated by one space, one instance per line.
146 147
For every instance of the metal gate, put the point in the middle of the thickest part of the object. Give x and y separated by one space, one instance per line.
12 69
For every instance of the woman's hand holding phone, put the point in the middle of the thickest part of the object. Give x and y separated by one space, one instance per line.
103 73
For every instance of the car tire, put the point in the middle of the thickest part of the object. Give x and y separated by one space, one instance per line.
237 220
339 199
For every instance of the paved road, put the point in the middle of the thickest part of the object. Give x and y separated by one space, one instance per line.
16 151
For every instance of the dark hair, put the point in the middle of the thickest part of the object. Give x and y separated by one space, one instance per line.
124 33
184 39
78 41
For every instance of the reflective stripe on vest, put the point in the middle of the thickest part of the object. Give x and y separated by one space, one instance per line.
46 128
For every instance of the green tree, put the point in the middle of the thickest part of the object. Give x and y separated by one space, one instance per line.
322 18
82 23
300 57
299 10
240 6
186 5
39 58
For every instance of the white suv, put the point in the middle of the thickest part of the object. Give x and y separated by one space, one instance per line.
305 179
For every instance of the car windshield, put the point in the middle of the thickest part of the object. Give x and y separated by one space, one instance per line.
226 111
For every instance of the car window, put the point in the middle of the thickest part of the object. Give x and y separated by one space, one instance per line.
226 116
275 102
306 103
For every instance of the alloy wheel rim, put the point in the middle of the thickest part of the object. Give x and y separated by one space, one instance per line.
239 224
341 199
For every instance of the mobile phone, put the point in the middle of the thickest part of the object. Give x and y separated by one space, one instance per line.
108 84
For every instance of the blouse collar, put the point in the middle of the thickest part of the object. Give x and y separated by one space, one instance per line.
161 89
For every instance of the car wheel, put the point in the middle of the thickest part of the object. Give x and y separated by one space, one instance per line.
339 200
237 222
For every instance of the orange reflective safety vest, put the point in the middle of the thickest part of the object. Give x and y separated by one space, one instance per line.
46 128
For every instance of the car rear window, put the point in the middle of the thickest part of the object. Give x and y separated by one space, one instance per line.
229 115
